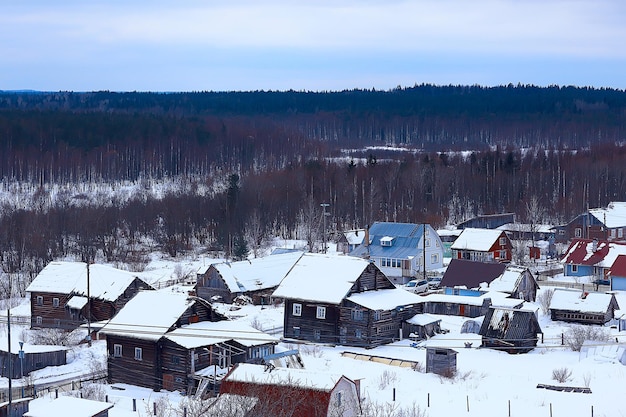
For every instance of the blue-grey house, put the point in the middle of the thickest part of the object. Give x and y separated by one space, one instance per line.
591 258
398 249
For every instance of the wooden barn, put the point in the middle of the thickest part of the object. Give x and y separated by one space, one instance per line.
582 307
510 330
343 300
35 357
256 278
516 281
284 391
65 295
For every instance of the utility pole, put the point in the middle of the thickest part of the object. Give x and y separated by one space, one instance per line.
10 359
424 250
324 214
88 308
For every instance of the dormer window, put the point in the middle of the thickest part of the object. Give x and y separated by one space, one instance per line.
386 241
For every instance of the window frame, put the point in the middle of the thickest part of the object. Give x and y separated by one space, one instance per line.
118 350
320 313
39 300
138 354
296 309
55 302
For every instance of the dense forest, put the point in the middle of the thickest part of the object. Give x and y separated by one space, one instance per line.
246 165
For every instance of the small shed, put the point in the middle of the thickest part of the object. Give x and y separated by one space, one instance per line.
441 361
511 330
35 357
16 409
422 326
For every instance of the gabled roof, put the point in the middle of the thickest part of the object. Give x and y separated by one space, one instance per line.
294 377
574 300
321 278
149 315
105 282
471 274
509 280
477 239
210 333
508 323
355 237
618 269
404 238
256 274
614 215
593 252
526 228
498 299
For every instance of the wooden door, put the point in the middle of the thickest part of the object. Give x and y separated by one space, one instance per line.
168 382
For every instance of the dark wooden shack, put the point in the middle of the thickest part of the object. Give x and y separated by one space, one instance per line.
34 357
511 330
421 326
441 361
17 408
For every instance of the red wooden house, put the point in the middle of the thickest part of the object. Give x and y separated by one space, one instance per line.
482 245
269 391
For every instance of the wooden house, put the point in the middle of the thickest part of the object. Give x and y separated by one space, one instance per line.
172 341
582 307
34 357
256 278
343 300
482 245
286 391
516 281
591 258
464 273
465 303
608 224
511 330
66 294
69 406
402 251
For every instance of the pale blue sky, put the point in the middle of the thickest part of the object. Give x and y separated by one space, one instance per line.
192 45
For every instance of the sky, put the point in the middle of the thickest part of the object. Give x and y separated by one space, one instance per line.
313 45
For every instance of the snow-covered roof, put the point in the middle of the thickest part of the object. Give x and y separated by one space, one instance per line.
105 282
76 302
386 299
498 299
423 319
568 299
477 239
27 347
209 333
508 280
355 237
321 278
149 315
302 378
69 406
256 274
614 215
592 252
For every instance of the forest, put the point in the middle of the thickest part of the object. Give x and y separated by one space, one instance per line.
243 166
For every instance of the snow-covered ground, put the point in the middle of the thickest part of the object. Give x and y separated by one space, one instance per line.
487 383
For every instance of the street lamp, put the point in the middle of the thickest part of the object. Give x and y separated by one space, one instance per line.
324 205
21 356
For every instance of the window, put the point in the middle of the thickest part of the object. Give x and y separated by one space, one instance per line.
40 300
434 258
377 315
39 320
358 334
428 243
317 334
296 332
357 314
175 360
613 233
297 309
57 322
138 354
502 241
55 302
561 232
321 312
502 254
620 233
574 268
578 232
117 351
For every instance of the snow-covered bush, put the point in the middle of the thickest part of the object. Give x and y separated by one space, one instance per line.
576 336
561 374
544 298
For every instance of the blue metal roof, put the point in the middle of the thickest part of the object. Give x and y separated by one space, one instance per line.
405 243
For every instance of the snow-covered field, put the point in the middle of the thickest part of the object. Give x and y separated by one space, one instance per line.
487 383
